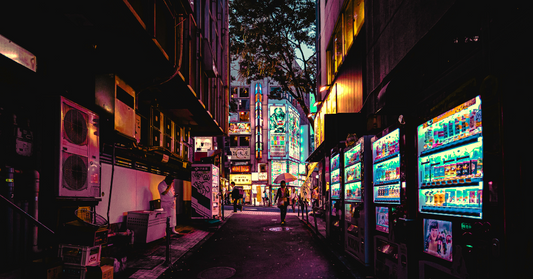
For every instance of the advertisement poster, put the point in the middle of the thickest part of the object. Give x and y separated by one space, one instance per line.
294 133
202 191
277 130
203 144
382 219
438 238
293 169
277 167
240 128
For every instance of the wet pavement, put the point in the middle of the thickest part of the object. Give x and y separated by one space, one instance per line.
253 244
247 244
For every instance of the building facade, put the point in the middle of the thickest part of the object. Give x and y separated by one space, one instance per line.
99 101
387 65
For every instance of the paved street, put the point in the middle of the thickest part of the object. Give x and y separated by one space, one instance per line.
253 244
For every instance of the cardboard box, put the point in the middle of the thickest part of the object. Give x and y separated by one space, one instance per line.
107 271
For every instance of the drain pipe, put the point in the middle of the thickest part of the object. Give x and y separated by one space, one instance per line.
36 212
10 213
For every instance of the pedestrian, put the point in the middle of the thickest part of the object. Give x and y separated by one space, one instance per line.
293 200
282 198
168 203
265 198
236 196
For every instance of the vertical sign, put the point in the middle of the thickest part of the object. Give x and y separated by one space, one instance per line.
258 121
293 131
277 130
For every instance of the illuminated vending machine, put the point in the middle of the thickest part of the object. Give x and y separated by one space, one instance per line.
358 200
394 203
451 192
336 219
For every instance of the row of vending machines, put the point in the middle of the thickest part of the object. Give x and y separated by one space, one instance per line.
409 201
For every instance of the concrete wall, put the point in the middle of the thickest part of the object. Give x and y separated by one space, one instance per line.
132 190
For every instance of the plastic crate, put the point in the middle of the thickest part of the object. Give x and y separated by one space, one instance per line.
78 255
147 225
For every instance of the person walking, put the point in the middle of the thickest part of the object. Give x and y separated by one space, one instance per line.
282 198
236 196
168 203
293 200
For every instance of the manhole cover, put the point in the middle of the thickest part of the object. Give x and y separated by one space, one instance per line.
276 229
217 273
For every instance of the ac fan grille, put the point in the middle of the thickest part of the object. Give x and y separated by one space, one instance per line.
75 126
75 172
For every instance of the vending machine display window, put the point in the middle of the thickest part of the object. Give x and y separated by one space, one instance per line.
382 219
336 191
438 238
353 192
386 158
352 155
352 173
450 162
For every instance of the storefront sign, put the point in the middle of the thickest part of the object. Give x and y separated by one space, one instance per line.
259 176
240 153
241 178
240 128
240 168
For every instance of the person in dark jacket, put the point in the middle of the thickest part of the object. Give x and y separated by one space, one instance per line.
236 196
283 200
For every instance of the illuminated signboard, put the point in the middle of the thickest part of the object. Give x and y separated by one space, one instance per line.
241 178
240 153
277 167
203 144
277 130
293 129
329 106
258 121
293 169
240 128
240 168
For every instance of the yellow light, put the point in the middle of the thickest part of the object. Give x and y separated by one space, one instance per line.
323 88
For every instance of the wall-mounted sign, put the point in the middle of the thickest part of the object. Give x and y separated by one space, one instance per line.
240 163
241 178
240 128
203 144
262 176
277 130
240 168
240 153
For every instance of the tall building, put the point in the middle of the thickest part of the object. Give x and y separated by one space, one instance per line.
268 136
99 101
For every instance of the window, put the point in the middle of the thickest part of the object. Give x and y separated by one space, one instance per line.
244 141
234 141
244 104
348 26
234 92
244 116
244 92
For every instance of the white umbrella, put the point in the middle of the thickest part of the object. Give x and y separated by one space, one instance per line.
285 176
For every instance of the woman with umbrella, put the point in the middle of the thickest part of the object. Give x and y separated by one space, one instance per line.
283 196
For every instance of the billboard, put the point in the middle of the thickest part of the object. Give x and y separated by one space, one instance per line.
277 130
240 128
293 169
293 131
277 167
203 144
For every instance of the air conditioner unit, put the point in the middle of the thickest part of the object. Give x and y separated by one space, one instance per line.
79 154
116 97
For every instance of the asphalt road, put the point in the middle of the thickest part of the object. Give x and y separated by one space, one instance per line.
253 244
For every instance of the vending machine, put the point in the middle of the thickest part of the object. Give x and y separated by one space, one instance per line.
451 190
335 223
358 200
394 197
